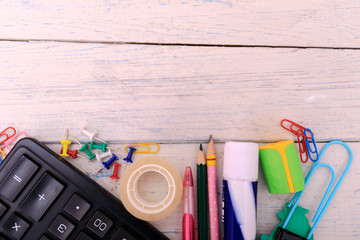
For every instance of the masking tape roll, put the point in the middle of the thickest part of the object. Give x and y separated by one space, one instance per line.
138 206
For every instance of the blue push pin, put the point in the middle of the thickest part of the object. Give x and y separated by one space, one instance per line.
110 161
129 156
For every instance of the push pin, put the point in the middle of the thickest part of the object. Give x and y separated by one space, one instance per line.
115 176
129 156
115 172
91 135
84 148
101 156
65 144
73 154
98 146
127 160
110 161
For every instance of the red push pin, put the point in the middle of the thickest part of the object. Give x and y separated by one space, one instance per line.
115 172
73 154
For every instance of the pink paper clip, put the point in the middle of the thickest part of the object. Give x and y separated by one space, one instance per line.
294 128
302 146
13 139
7 137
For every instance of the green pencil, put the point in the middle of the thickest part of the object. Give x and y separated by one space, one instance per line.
202 195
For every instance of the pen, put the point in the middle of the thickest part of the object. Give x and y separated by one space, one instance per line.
212 191
188 224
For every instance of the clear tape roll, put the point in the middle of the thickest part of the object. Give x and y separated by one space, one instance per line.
142 208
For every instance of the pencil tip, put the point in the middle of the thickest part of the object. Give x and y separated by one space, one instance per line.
211 138
201 148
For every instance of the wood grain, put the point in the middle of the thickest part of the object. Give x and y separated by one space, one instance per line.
232 22
340 221
178 94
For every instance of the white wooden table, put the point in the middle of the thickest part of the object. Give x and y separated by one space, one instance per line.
174 72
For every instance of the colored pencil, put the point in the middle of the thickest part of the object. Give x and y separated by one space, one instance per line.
202 195
212 191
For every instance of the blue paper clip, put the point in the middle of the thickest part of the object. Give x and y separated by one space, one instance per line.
310 151
323 204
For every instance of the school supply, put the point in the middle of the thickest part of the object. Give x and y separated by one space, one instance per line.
7 133
202 194
212 191
298 223
240 175
147 145
282 168
299 131
143 208
309 148
188 221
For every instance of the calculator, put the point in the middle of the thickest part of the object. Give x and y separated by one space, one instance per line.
44 197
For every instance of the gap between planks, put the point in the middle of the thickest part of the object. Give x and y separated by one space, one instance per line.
175 44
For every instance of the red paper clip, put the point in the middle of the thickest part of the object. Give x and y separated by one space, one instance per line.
302 146
294 130
13 139
7 137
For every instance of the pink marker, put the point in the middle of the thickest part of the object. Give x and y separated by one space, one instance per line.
188 224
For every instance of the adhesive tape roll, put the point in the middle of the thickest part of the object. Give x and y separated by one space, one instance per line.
143 208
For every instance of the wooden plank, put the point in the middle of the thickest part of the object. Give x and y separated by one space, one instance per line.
272 23
340 221
178 94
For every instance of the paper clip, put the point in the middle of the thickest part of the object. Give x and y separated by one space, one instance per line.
292 129
323 205
16 137
7 137
280 231
310 151
2 153
147 145
302 147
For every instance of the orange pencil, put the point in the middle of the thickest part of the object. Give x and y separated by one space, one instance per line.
212 191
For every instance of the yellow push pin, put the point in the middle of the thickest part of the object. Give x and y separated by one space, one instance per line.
66 142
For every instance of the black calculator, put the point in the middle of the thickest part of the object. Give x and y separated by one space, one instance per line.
44 197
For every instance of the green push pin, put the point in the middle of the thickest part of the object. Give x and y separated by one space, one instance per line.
86 150
98 146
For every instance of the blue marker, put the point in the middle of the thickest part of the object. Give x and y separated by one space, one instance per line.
241 162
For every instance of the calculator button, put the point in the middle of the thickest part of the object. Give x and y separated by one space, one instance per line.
17 178
100 224
83 236
2 209
45 238
16 226
61 227
77 207
3 238
123 235
41 196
